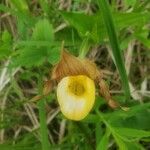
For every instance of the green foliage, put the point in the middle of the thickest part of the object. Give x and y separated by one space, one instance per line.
5 45
130 2
84 23
94 24
125 138
37 55
110 27
28 142
103 144
128 132
31 36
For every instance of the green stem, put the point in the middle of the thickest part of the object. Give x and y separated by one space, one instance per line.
84 47
43 126
42 116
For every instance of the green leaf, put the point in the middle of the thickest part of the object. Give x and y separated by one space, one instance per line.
40 48
45 6
98 132
142 36
5 45
68 34
129 132
103 144
94 24
30 56
20 5
43 31
123 145
108 19
83 23
123 142
120 143
134 110
139 120
6 37
54 54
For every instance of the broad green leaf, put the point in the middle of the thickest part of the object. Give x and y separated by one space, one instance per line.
43 31
30 56
126 20
94 24
139 120
142 36
70 36
130 132
83 23
134 110
122 141
137 117
40 48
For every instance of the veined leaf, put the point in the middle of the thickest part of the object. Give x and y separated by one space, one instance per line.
34 55
130 132
123 145
43 31
94 24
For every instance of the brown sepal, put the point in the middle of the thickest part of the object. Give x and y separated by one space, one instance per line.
70 65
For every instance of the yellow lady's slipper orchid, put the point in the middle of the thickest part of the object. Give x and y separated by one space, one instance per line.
76 96
75 80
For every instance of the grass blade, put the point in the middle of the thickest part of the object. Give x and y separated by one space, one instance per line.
108 20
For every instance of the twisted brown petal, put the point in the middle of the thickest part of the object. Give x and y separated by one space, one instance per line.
104 90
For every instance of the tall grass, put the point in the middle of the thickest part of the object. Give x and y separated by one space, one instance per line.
111 31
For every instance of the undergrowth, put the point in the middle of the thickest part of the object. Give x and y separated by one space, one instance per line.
114 35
